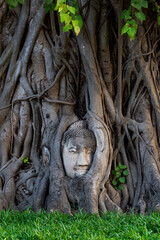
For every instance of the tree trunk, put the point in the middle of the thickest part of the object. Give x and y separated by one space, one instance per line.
95 96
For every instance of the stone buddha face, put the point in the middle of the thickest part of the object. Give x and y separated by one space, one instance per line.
79 145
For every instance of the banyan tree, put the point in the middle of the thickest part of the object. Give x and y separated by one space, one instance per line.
79 115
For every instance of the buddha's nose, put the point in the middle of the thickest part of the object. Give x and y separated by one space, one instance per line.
82 159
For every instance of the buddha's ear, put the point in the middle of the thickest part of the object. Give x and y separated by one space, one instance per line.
100 138
62 142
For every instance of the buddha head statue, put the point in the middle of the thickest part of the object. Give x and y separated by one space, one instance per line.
79 145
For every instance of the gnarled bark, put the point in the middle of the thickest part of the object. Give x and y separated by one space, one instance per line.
50 80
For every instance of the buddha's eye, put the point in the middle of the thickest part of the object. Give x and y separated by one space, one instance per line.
89 151
73 150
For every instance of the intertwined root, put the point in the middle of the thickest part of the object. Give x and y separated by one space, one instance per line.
49 80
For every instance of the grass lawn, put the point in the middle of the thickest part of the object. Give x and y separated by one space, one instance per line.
42 225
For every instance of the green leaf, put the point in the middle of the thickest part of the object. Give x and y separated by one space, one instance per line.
79 19
133 24
125 28
53 5
21 1
48 1
12 3
140 16
114 182
158 18
125 14
66 28
26 160
59 4
47 8
71 9
75 23
74 3
120 187
136 5
114 172
125 172
132 33
77 30
117 169
77 26
122 179
63 10
63 17
121 166
60 8
144 4
118 174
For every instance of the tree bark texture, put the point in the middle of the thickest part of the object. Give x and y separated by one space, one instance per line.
50 80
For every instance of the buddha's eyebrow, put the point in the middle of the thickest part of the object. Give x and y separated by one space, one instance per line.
91 148
72 147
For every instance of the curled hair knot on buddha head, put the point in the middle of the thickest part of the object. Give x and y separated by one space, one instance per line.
78 129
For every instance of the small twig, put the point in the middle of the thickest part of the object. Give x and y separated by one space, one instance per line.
149 151
120 48
6 54
137 56
38 96
59 101
115 5
105 17
139 101
24 179
139 170
133 94
69 68
54 82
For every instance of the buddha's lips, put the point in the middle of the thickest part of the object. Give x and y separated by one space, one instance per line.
81 169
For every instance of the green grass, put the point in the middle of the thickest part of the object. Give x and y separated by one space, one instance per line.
42 225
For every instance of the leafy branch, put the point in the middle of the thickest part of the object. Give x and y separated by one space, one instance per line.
25 160
69 14
156 8
72 20
135 13
14 3
119 175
